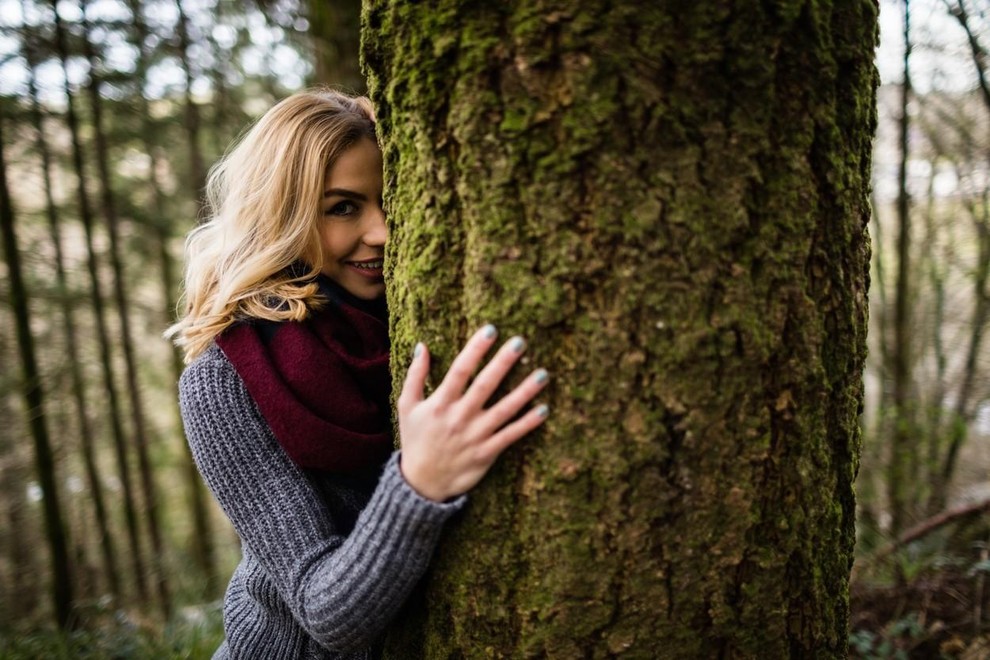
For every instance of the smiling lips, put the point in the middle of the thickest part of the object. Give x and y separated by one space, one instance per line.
370 268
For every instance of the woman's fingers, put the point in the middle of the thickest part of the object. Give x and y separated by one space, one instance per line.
509 406
466 363
412 386
488 380
517 429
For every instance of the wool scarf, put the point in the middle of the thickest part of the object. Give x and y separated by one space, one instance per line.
322 384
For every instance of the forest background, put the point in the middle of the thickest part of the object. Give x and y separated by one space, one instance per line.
111 113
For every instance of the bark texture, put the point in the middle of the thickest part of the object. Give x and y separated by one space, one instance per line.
670 202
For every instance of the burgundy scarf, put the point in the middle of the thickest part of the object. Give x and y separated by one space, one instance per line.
322 384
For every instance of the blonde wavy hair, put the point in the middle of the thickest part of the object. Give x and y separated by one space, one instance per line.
262 217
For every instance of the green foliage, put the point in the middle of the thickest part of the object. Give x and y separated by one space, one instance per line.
196 635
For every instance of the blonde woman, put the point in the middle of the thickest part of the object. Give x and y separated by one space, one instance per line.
286 398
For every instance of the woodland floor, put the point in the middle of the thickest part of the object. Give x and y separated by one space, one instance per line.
930 597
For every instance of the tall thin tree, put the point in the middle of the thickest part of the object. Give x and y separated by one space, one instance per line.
963 410
197 170
34 403
335 28
23 574
904 450
202 538
78 385
99 314
134 390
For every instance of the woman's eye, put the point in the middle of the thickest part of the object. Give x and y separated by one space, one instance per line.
342 208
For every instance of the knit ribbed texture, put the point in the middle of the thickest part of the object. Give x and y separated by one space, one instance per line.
328 560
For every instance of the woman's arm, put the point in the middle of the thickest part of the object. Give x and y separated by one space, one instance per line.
343 590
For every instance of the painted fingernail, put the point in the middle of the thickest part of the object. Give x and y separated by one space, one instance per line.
542 410
541 376
418 350
489 331
517 344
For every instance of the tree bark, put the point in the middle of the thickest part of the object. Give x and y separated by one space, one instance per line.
34 402
670 202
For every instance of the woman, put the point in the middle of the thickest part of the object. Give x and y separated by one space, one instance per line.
286 400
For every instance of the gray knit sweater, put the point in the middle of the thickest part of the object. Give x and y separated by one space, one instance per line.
327 560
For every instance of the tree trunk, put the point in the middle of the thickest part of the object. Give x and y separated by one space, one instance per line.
670 202
86 437
99 313
191 119
335 29
964 411
138 421
902 465
34 401
202 539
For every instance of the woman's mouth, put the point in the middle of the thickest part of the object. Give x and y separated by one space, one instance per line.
369 268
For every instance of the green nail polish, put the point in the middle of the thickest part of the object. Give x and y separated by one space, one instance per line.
517 344
542 410
541 376
418 350
490 331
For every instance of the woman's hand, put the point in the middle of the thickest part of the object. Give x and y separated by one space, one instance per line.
450 439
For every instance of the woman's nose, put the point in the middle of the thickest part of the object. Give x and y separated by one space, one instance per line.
375 233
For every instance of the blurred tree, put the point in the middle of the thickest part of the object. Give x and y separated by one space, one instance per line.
335 29
99 313
20 580
202 537
671 202
139 424
79 398
964 410
34 402
197 170
905 448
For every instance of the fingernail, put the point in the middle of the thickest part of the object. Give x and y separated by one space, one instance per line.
517 344
418 350
490 331
542 410
540 376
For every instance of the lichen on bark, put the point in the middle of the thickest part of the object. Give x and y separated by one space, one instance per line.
670 202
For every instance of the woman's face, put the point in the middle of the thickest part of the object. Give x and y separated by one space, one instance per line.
353 229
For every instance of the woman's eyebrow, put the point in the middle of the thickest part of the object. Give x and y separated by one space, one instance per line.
344 192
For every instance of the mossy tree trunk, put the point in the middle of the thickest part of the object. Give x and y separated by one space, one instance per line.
670 200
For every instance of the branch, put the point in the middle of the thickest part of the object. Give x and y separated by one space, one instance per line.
923 529
979 53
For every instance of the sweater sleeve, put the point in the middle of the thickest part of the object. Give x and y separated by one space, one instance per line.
343 590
